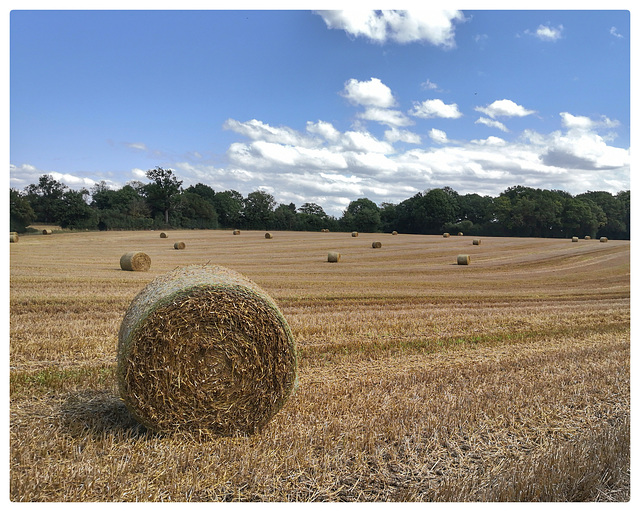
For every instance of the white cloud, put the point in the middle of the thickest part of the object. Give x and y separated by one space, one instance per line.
140 146
386 116
364 142
431 26
324 129
438 136
257 130
547 33
372 93
614 32
138 174
395 135
435 108
504 108
429 85
492 123
572 122
490 141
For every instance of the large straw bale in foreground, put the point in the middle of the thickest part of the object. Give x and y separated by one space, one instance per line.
464 259
136 261
204 349
333 257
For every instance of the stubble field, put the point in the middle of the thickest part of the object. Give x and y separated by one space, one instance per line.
420 379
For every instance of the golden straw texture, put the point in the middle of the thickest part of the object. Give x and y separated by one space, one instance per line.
136 261
203 349
464 259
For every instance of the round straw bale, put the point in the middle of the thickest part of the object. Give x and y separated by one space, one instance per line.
136 261
163 235
574 239
13 237
464 259
394 232
333 257
587 237
203 349
354 233
446 235
268 235
47 232
477 241
179 245
376 245
236 231
460 233
604 239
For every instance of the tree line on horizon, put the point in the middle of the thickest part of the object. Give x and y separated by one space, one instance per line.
164 204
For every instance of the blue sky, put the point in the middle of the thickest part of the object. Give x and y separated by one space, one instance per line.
323 107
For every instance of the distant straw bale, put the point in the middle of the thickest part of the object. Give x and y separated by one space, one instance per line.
333 257
574 239
163 235
604 239
202 349
464 259
587 237
354 233
477 241
47 232
236 231
446 235
376 245
394 232
268 235
460 233
136 261
179 245
13 237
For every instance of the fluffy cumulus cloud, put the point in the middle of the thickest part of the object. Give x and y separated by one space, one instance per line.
370 93
380 159
430 26
547 32
492 123
435 108
355 163
504 108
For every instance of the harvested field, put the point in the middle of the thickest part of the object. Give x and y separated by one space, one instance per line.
419 379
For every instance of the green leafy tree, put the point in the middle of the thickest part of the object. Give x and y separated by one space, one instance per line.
311 217
196 212
389 217
204 191
285 217
362 215
20 212
75 212
229 204
440 207
163 190
45 198
258 210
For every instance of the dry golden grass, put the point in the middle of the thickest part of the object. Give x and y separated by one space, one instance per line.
420 380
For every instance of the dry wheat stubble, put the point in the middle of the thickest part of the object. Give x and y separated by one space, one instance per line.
363 424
